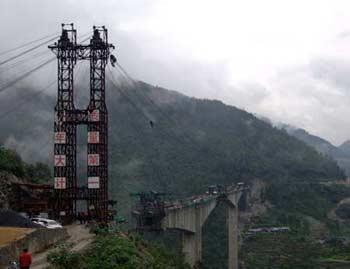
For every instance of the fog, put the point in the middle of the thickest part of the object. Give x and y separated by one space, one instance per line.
287 61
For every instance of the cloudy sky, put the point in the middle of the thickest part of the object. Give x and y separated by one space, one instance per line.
286 60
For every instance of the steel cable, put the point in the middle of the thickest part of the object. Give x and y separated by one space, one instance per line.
27 44
26 74
27 51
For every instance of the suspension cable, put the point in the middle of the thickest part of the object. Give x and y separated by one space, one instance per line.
126 96
26 74
22 61
156 106
27 44
27 51
36 55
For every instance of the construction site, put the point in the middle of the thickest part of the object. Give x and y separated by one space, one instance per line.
174 134
33 213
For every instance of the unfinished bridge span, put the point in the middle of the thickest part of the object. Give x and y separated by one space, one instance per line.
189 216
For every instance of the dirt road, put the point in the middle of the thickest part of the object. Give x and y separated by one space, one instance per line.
79 237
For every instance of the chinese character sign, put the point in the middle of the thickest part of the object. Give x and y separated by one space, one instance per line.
93 182
93 159
93 137
60 160
60 138
94 115
60 182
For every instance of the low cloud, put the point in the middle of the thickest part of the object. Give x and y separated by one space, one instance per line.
292 71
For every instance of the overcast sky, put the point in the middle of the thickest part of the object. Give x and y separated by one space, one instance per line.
286 60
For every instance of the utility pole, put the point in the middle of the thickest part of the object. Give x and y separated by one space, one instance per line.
67 117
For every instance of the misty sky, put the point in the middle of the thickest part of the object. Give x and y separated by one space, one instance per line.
286 60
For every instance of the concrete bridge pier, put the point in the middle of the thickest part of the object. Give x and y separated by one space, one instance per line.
190 216
232 226
192 242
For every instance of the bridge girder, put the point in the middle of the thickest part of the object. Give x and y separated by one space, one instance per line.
190 219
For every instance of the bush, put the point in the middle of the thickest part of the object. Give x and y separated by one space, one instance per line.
343 211
11 162
117 251
64 259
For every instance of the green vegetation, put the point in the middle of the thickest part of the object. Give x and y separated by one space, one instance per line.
194 143
303 207
200 141
114 251
215 240
12 163
305 199
280 251
292 250
207 142
343 211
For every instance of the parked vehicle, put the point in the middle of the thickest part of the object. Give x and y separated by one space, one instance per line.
47 223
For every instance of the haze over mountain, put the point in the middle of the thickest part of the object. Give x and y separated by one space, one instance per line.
189 140
341 153
165 141
287 61
251 54
345 147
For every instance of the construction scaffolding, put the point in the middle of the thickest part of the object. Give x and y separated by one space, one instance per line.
67 117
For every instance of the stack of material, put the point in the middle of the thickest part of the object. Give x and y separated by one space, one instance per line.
10 218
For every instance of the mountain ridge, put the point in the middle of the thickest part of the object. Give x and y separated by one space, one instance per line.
164 141
340 154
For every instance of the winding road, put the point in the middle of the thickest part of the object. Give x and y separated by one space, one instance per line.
79 237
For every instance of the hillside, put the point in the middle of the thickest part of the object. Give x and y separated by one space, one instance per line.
203 142
14 170
12 163
163 140
190 140
345 147
340 154
119 251
320 144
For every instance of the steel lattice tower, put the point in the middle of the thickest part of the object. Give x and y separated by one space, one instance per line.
98 130
67 118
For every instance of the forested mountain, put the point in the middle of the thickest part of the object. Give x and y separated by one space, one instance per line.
345 147
11 163
161 139
165 141
340 154
320 144
202 142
